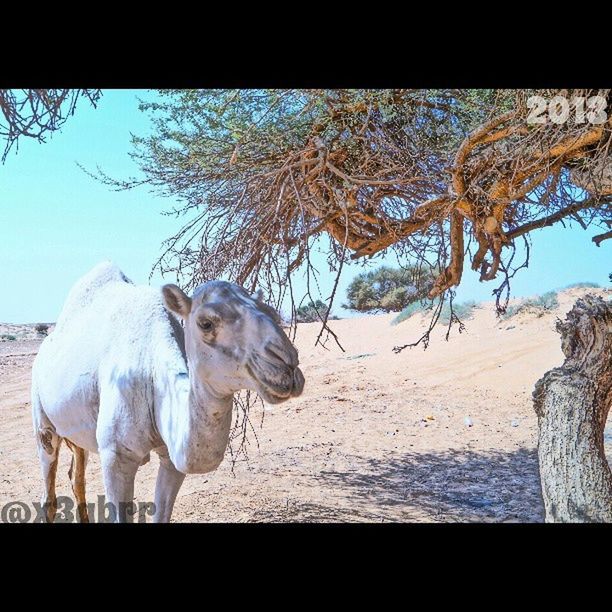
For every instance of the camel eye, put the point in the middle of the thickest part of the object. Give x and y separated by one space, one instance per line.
206 325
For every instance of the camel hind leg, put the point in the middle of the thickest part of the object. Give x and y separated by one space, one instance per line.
48 454
48 445
76 473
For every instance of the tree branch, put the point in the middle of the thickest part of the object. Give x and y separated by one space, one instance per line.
601 237
552 219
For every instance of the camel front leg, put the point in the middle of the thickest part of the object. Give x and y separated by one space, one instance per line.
169 481
119 472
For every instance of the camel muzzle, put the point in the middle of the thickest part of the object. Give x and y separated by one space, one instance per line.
298 382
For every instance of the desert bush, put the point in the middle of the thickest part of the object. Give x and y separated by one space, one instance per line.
463 310
387 289
418 306
540 304
313 311
42 328
8 337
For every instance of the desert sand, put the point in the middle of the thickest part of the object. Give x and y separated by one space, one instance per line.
443 435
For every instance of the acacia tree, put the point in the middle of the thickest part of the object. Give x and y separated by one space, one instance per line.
434 175
388 289
33 113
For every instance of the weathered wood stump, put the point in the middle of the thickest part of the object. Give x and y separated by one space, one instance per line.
572 403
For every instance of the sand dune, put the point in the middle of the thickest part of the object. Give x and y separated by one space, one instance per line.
376 436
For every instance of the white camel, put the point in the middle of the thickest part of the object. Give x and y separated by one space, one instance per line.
120 376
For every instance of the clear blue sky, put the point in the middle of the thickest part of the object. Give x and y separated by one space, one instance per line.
56 222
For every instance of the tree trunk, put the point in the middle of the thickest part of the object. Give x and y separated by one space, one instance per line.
572 404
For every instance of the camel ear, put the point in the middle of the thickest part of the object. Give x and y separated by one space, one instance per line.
176 300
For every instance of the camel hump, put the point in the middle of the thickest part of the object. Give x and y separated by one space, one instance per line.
86 288
105 272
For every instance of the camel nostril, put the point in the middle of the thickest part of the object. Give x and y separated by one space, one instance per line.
287 356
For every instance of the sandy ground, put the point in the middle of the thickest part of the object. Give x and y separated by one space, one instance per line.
376 436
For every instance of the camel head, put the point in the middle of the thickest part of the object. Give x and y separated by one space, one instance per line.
234 341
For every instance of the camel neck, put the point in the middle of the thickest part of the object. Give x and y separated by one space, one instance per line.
192 421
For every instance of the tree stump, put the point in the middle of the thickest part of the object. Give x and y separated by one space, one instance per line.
572 403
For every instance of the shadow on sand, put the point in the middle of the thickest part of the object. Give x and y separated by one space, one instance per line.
450 486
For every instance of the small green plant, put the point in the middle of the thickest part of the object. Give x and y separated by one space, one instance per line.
465 310
540 304
547 301
8 337
418 306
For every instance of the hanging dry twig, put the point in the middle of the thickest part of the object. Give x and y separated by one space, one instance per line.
33 113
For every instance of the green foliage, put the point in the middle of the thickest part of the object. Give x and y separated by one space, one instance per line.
219 153
211 141
396 299
199 132
418 306
387 289
540 304
313 311
8 337
463 310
